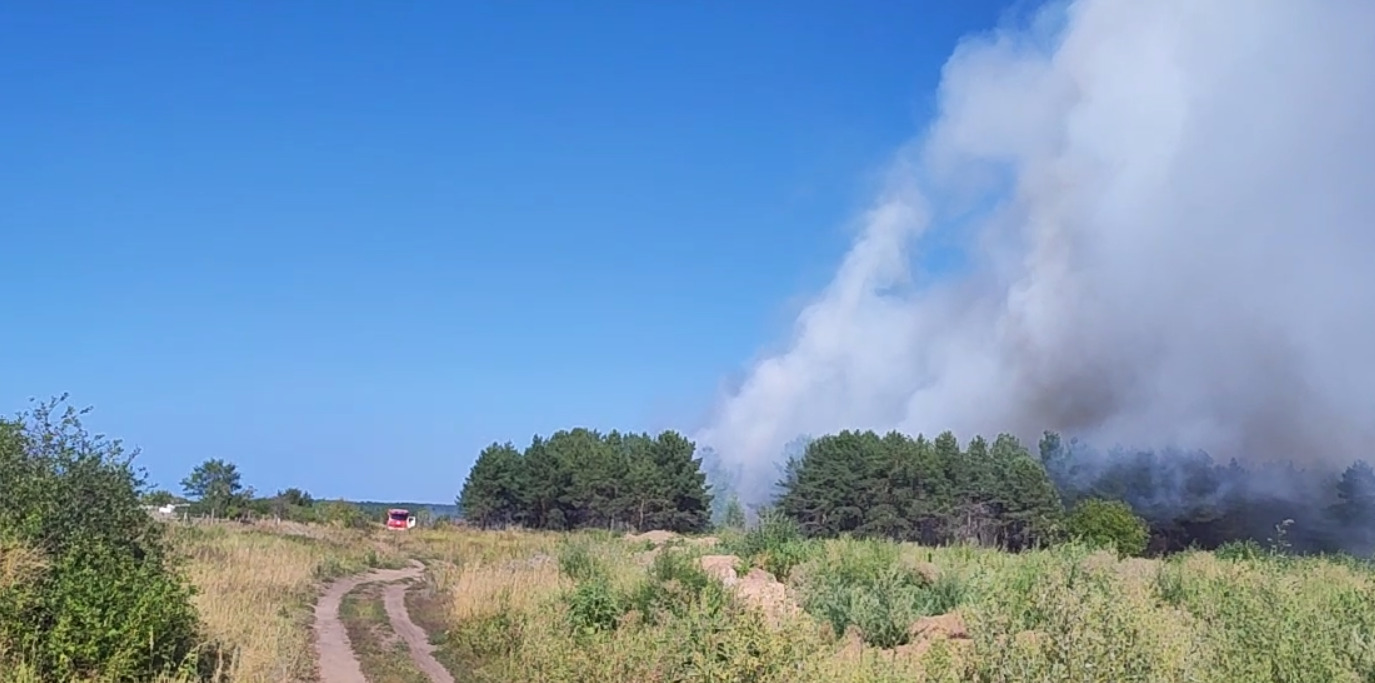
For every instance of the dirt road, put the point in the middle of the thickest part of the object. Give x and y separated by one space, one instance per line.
338 664
422 652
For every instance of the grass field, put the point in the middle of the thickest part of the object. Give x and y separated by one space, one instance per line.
518 606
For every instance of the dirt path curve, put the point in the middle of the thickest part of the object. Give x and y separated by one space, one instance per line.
422 652
338 664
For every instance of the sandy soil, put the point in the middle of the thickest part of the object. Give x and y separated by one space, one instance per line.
422 652
338 663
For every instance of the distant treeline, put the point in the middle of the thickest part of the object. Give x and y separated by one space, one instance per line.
1191 500
215 489
582 478
928 490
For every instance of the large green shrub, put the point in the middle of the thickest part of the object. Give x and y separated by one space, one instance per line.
101 597
1108 524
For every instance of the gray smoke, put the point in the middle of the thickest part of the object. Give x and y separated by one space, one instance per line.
1166 208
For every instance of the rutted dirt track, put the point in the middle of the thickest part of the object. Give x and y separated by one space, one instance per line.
338 664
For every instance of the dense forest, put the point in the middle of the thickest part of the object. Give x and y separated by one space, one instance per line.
582 478
929 490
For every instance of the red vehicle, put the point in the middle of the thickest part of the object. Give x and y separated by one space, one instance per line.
400 518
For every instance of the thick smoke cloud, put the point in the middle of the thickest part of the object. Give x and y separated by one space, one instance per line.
1168 209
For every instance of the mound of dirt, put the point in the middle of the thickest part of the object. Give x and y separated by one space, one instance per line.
758 589
927 631
949 626
721 568
761 590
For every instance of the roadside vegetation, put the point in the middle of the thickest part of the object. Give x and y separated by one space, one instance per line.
882 559
594 606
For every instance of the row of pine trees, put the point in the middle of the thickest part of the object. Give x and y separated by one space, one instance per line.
928 490
919 489
857 482
581 478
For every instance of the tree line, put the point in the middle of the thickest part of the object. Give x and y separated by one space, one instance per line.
929 490
215 489
920 489
582 478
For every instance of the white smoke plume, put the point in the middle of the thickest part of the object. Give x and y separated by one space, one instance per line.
1168 208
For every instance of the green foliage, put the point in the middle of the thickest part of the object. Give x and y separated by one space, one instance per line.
929 491
1240 551
594 607
731 644
577 562
675 587
494 493
158 498
775 543
581 479
100 595
216 488
1108 524
343 514
865 585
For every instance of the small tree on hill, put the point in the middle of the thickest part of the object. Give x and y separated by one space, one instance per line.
215 487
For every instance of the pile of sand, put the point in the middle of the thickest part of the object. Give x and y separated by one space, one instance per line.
758 588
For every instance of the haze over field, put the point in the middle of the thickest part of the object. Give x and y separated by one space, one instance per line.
1165 210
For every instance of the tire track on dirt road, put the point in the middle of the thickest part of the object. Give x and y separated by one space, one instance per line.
422 652
334 653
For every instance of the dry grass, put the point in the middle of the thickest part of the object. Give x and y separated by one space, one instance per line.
505 612
257 585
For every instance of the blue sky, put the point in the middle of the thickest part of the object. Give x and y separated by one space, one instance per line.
346 245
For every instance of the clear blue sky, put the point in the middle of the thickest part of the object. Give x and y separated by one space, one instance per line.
346 245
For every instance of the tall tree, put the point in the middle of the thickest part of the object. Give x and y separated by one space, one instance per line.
686 485
494 492
215 485
1031 507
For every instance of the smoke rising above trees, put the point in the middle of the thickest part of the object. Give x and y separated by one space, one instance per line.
1165 212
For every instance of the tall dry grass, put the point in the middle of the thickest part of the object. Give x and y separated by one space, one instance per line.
257 585
255 589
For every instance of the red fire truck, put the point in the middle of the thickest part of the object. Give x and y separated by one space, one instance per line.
400 518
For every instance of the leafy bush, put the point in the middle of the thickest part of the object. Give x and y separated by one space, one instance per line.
593 607
342 513
677 585
865 585
101 596
1108 524
775 543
